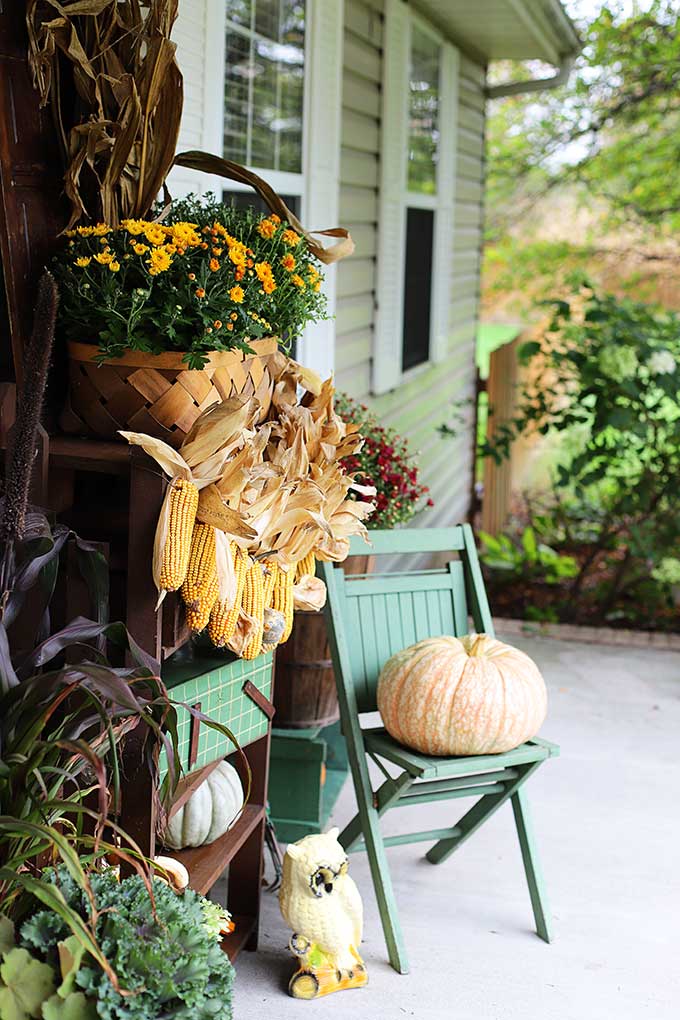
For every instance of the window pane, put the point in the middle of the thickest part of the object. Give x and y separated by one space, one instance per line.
251 200
423 113
265 83
417 287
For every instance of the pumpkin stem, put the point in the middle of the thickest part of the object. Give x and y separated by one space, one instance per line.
476 644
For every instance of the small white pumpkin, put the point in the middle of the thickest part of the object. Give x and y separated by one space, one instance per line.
210 811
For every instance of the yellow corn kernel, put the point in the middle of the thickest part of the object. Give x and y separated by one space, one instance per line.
307 565
183 504
283 600
197 617
253 605
202 564
223 618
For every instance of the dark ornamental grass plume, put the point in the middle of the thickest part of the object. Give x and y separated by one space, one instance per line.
31 399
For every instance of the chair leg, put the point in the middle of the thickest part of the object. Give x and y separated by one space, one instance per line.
382 883
532 865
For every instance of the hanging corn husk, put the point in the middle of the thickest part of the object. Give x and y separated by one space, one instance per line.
172 542
274 497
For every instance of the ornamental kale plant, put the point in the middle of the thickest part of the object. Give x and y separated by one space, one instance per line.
209 277
166 955
386 462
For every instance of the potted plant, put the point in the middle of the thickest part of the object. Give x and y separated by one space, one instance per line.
305 694
163 319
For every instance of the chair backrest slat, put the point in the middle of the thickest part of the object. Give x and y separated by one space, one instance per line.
377 615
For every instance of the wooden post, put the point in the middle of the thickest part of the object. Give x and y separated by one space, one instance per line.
147 486
502 396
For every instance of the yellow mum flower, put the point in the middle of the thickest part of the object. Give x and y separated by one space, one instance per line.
263 270
83 261
185 234
236 294
104 257
85 231
298 281
155 234
100 229
288 262
266 229
313 272
135 227
290 238
140 249
158 262
114 266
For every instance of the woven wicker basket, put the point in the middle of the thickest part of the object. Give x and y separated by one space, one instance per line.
156 393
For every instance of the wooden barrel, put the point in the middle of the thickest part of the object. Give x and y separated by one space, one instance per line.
304 691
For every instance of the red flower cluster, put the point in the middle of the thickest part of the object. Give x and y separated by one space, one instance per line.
385 462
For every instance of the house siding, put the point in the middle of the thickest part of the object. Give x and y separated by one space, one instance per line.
189 33
424 399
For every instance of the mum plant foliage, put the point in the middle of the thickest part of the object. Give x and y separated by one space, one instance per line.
386 462
163 949
209 277
607 378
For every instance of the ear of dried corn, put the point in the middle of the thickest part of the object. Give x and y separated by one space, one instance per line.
224 616
283 601
202 567
197 618
252 605
305 566
271 572
173 534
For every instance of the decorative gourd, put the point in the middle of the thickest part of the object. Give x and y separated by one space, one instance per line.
210 811
451 696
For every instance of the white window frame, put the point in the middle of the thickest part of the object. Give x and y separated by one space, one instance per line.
318 185
395 198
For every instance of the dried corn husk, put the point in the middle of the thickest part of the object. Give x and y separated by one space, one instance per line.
309 593
109 69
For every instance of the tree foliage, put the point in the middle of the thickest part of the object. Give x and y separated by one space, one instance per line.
613 130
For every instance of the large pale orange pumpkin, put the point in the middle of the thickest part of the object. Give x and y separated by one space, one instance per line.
451 696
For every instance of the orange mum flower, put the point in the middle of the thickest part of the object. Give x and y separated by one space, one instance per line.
290 238
288 262
200 292
214 265
298 281
266 229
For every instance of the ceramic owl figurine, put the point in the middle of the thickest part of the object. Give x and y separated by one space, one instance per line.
322 905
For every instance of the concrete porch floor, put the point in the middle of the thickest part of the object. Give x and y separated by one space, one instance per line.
607 818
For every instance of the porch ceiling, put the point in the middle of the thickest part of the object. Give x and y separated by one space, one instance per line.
505 29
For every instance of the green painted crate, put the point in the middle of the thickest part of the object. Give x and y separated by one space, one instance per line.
217 684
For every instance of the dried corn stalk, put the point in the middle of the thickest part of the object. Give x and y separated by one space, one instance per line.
118 109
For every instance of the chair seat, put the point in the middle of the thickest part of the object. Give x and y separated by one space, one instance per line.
377 741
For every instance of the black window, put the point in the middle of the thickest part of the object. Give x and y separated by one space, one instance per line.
417 287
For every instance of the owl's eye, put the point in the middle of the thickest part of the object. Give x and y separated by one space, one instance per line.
319 879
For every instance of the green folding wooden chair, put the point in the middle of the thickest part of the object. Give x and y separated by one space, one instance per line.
370 617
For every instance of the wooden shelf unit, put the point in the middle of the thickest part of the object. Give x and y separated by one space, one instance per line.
63 460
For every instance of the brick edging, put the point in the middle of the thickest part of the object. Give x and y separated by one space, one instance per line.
592 635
